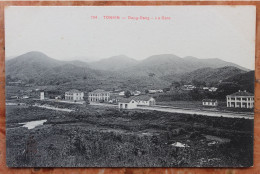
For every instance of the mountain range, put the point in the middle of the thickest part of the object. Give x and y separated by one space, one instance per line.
157 71
162 64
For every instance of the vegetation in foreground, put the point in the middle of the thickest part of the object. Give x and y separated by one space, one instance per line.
100 136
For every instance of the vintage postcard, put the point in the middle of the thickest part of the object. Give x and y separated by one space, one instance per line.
129 86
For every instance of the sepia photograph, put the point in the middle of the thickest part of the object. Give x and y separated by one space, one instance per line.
129 86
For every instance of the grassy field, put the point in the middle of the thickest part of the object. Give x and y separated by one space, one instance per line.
107 137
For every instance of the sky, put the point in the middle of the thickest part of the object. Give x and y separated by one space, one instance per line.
67 33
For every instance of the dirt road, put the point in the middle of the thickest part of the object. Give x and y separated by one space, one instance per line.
246 115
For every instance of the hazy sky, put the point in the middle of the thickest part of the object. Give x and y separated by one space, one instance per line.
223 32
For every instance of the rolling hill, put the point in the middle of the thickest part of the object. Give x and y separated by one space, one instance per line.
165 64
114 63
41 69
159 65
122 72
245 80
208 75
30 65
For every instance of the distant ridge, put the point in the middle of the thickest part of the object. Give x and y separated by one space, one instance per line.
157 71
114 63
207 75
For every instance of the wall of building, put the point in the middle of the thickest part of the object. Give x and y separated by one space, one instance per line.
74 96
209 103
130 105
240 101
150 102
96 97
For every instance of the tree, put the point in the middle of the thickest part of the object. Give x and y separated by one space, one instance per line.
175 86
151 74
85 98
31 80
127 94
198 83
227 88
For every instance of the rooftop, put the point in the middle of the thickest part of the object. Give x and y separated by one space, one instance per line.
74 91
209 100
136 98
241 93
98 91
125 100
143 97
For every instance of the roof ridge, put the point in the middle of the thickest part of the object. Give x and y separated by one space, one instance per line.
73 90
241 93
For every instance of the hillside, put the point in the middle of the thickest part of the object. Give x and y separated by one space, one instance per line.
166 64
38 68
114 63
30 65
207 75
213 63
244 80
119 72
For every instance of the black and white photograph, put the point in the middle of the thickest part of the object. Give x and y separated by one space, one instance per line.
129 86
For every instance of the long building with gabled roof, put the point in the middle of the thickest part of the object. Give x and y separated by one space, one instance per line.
133 102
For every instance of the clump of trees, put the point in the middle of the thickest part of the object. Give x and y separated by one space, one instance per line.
127 94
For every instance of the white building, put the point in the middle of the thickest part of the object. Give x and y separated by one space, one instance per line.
205 88
213 89
58 97
133 102
74 95
25 97
122 93
99 95
240 99
152 91
144 100
127 103
41 95
209 102
136 93
188 87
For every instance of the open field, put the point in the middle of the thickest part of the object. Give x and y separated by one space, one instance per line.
105 136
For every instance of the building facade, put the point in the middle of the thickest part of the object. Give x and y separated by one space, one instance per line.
188 87
133 102
99 95
240 99
74 95
209 102
127 103
41 95
144 100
